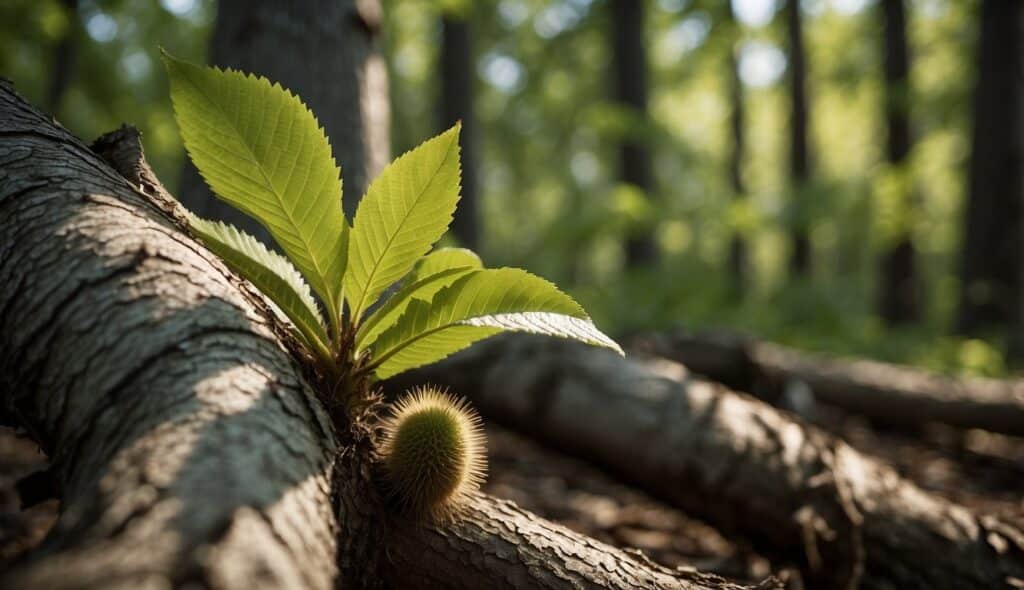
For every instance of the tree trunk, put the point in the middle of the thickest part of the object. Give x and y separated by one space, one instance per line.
799 157
185 447
188 448
737 124
1017 337
897 289
65 58
630 60
886 393
457 76
324 51
746 467
990 285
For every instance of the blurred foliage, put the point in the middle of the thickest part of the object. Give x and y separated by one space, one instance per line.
551 199
553 203
117 76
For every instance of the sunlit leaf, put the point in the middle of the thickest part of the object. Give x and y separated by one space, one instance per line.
433 272
261 150
271 273
476 306
405 211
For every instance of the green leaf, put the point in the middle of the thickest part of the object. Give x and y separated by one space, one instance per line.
443 259
389 313
271 273
405 211
433 272
261 150
476 306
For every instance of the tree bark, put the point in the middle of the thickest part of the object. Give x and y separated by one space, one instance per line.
457 76
187 445
898 289
799 156
324 51
886 393
497 545
990 285
630 60
746 467
184 444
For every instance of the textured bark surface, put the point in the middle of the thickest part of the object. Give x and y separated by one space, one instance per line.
739 463
884 392
186 445
323 50
499 545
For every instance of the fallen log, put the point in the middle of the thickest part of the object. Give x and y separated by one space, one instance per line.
187 447
498 545
884 392
742 465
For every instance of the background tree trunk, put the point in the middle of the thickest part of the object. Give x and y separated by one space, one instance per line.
897 287
457 77
630 60
1017 338
737 247
324 51
65 58
989 269
744 466
799 157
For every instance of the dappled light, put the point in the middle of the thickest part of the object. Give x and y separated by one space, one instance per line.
512 294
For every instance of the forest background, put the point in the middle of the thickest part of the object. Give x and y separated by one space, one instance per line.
758 166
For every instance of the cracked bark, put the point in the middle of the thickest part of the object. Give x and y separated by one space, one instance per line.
744 466
499 545
884 392
186 444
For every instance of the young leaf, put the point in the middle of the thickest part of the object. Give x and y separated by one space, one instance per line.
433 272
271 273
477 306
404 212
389 313
261 150
443 259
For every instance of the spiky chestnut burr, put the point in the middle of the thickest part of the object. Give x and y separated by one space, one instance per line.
434 453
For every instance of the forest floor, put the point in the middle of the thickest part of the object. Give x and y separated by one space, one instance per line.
981 470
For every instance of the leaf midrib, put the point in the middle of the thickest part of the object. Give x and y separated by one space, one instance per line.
374 320
379 361
273 190
376 265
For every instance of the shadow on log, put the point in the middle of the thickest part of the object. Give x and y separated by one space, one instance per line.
187 447
884 392
744 466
